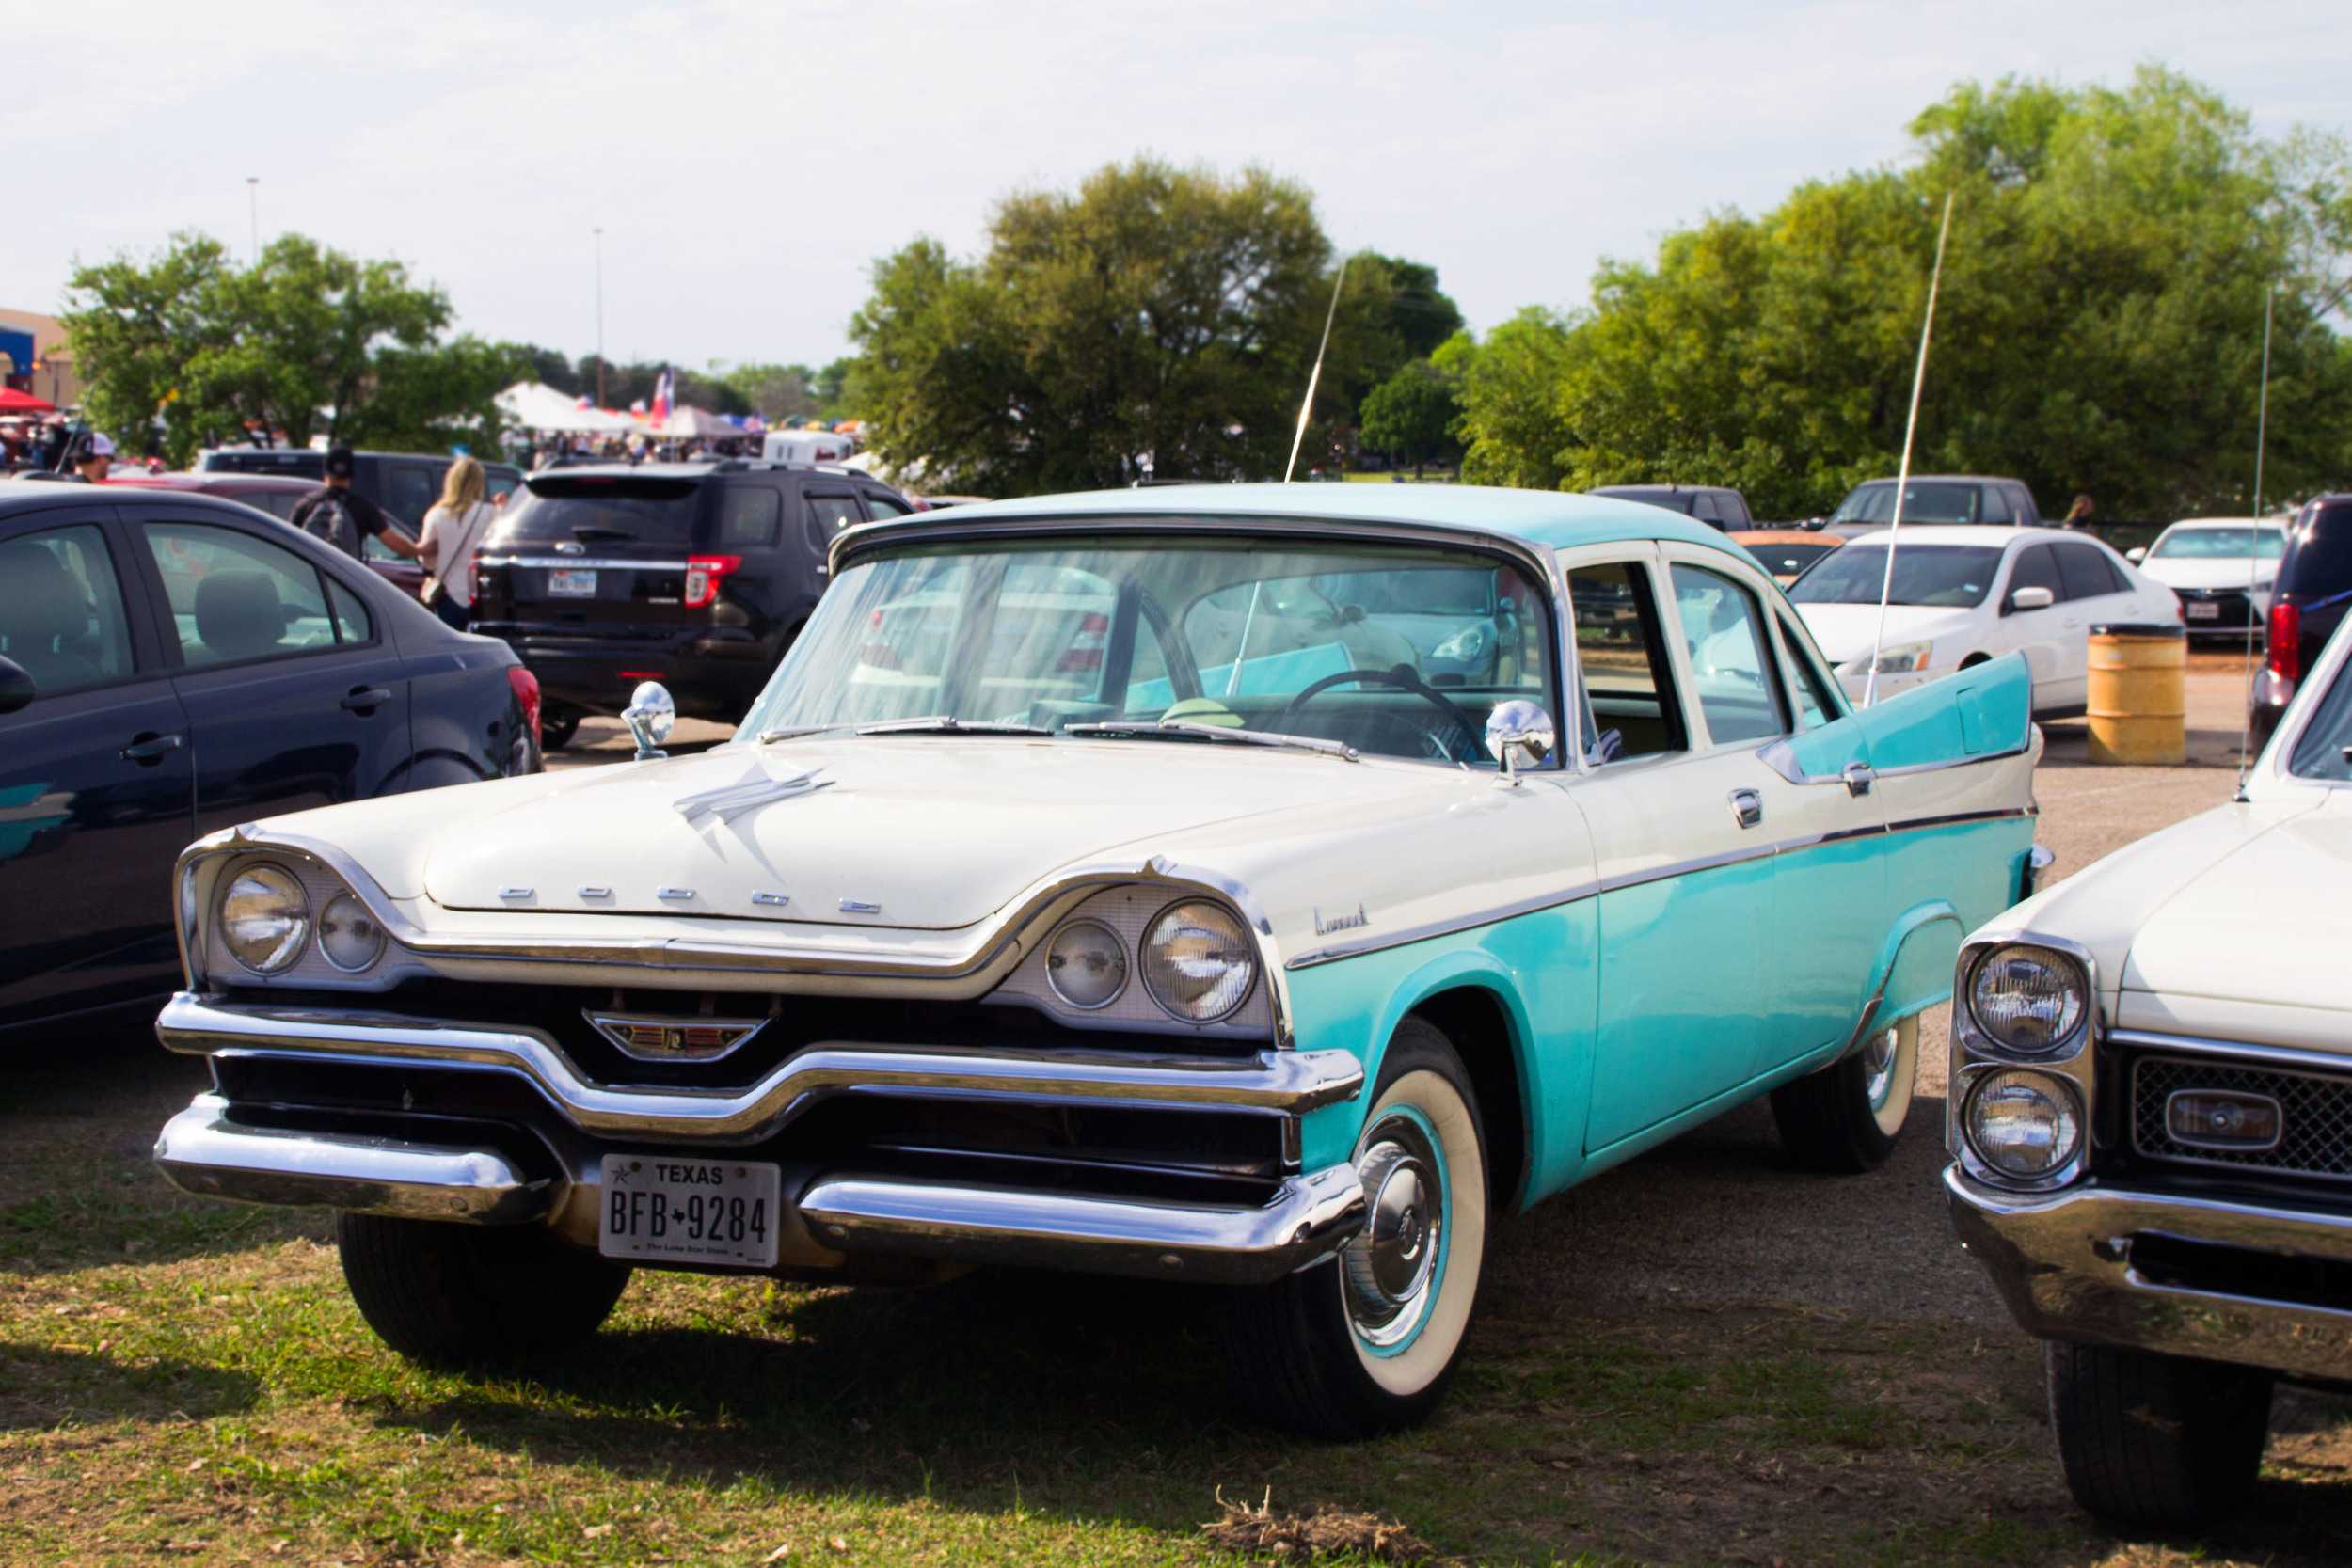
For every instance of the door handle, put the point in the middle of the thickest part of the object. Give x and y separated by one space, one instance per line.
1859 777
367 699
149 749
1747 807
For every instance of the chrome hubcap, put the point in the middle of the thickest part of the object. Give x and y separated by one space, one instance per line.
1391 1265
1878 1068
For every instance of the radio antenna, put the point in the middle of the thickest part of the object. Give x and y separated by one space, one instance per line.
1306 404
2253 554
1902 481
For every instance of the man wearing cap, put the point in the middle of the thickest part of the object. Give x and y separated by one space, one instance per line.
94 459
342 517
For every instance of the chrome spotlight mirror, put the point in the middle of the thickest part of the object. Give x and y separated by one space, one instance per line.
650 717
1519 732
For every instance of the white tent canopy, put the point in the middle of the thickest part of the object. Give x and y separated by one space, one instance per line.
535 405
689 424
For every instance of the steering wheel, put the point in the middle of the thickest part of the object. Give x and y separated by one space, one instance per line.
1404 678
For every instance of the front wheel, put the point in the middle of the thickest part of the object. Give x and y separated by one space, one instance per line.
1846 1117
2153 1441
463 1295
1365 1343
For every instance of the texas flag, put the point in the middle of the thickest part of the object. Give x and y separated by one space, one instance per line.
661 397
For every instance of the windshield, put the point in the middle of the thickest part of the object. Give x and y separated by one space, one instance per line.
1924 503
2324 751
1952 575
1398 652
1787 560
2219 543
599 510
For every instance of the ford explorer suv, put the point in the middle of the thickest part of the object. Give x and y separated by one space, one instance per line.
2313 588
697 575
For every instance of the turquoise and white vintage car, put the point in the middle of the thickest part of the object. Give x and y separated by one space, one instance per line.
1145 882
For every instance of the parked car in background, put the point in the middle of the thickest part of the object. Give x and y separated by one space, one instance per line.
2307 603
1212 958
172 664
1786 552
2151 1126
279 495
1715 505
1936 499
2222 569
806 446
1962 595
697 574
403 484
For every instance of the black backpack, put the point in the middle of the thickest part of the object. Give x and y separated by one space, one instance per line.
328 516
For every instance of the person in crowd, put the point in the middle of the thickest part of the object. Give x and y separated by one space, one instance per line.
342 517
454 529
94 459
2078 515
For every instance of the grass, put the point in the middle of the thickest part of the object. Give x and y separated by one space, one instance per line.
189 1381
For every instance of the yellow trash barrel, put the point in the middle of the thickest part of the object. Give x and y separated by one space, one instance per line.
2137 701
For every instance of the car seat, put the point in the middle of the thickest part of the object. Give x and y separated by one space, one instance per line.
239 615
42 609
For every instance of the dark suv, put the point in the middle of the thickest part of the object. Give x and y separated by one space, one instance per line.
2313 586
697 574
405 484
1716 505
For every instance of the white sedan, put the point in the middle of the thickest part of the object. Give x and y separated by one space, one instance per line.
2223 569
1964 595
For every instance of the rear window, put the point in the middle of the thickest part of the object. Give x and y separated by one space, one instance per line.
594 509
2321 561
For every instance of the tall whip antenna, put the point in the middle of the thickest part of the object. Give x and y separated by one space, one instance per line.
2253 554
1911 428
1306 404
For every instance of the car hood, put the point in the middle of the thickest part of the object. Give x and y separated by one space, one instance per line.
2209 574
901 831
1845 630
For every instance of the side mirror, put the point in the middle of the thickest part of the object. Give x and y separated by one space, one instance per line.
2031 598
1519 730
2137 556
650 716
16 687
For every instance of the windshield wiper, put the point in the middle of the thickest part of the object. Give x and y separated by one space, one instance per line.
1176 729
937 723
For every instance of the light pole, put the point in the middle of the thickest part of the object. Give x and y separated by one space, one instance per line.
599 318
253 216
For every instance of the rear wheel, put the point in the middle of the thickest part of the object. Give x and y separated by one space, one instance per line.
464 1294
1846 1117
2154 1442
1366 1342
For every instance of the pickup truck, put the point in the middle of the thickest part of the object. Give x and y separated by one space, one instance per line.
1935 499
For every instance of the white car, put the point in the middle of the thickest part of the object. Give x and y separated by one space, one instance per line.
2223 569
2151 1123
1965 594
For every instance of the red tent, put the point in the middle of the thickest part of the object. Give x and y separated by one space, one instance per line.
14 401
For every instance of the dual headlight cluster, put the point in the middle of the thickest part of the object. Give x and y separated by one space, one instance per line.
266 923
2032 1005
1197 962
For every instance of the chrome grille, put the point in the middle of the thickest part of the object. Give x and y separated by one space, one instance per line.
2315 1131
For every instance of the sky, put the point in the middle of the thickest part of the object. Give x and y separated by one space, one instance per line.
749 160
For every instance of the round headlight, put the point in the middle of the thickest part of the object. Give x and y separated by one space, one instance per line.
264 918
1197 962
2024 1124
351 938
2028 999
1086 963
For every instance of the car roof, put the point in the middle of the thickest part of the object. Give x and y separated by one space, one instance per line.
1947 479
1988 535
18 497
1661 490
701 468
1548 517
2280 523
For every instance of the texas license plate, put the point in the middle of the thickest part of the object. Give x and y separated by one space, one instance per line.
2204 612
571 583
662 1209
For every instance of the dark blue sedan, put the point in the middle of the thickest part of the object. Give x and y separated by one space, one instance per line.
171 664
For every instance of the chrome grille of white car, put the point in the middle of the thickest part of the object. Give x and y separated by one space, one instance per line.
2315 1116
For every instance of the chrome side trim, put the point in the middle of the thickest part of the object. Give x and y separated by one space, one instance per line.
1780 759
202 1152
2276 1055
1445 927
586 562
1309 1218
1292 1082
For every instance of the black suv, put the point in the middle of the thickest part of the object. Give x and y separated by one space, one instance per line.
697 574
2314 585
405 484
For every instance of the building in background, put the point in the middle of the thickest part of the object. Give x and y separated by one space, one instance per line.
37 359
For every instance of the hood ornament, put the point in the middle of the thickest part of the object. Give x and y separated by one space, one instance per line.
754 790
649 1037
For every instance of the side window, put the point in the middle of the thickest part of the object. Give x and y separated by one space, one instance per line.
1736 511
1731 659
1625 685
351 623
884 506
2085 571
498 485
1703 508
410 491
825 516
1996 505
61 612
748 514
2037 567
1815 698
234 597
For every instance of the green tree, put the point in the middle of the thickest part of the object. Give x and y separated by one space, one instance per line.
1410 416
306 340
2099 326
1156 312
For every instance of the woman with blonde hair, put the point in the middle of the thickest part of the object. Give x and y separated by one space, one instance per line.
453 531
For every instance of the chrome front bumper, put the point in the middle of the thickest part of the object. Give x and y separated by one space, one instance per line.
204 1150
2063 1263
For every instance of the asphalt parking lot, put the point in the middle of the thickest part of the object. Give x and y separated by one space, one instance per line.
1701 1356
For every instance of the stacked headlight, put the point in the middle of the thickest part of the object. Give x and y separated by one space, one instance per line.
1199 962
265 917
2024 1124
350 937
1086 963
2029 1000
